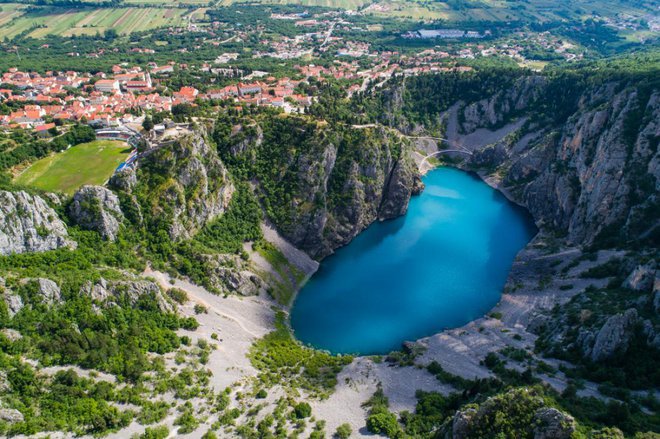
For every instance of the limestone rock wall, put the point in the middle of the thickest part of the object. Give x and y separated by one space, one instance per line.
28 224
182 184
97 208
333 182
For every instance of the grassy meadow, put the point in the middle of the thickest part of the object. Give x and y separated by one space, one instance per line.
87 163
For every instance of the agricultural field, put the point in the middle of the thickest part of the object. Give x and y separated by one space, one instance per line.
342 4
502 10
41 21
168 3
10 11
87 163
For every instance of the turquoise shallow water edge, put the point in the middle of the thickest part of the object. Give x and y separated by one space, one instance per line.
441 265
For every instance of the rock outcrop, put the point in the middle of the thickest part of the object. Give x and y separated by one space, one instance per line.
526 413
181 185
41 290
14 304
13 301
5 386
125 180
400 185
641 278
11 334
11 416
48 291
550 423
460 425
228 273
97 208
615 335
109 293
98 291
28 224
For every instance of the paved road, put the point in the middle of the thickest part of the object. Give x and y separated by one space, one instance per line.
327 37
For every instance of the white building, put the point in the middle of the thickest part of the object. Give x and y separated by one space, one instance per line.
107 85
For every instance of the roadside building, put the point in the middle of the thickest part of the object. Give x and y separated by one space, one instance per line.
107 85
247 89
43 130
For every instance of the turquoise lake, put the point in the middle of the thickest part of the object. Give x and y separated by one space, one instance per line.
441 265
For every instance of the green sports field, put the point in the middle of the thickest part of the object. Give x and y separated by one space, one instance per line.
87 163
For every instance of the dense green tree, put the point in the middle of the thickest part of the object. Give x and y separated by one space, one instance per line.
148 124
302 410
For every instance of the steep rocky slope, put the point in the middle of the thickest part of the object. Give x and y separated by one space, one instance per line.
591 178
181 185
321 185
29 224
97 208
581 155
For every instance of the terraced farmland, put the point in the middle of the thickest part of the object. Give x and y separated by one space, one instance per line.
39 22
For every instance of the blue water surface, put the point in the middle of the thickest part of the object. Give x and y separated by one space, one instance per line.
439 266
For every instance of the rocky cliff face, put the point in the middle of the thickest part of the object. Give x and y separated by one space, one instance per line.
13 302
593 178
377 186
582 156
181 185
614 337
97 208
28 224
321 185
495 110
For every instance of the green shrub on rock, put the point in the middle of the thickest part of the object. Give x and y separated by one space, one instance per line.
303 410
384 423
344 431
